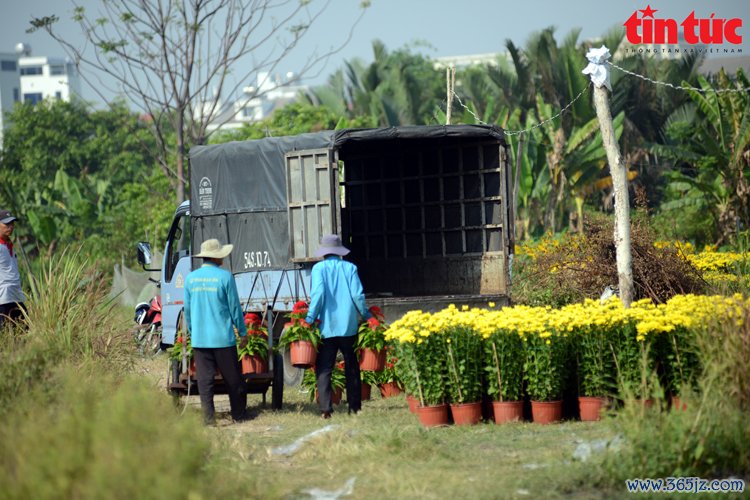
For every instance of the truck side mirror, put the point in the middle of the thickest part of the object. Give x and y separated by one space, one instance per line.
144 253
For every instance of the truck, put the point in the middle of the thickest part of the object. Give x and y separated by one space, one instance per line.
425 210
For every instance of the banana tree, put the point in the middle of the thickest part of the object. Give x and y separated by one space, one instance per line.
709 144
585 162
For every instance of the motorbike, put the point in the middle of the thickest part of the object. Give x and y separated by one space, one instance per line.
148 326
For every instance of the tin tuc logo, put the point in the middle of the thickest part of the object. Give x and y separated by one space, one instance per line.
646 28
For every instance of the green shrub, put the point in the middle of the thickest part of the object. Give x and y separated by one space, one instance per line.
97 436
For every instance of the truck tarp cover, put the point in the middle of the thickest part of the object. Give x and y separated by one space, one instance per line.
238 189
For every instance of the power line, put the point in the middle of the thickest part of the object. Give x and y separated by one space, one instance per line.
564 109
681 87
540 124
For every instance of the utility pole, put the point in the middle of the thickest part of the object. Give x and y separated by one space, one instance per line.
599 72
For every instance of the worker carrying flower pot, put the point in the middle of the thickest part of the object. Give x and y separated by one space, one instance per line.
212 312
336 299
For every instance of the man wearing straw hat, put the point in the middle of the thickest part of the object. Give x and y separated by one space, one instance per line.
336 298
212 312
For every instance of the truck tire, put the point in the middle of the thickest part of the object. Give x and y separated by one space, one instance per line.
292 374
277 387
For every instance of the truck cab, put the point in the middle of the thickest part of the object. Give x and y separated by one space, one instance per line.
175 268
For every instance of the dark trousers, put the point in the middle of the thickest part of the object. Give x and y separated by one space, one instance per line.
324 367
12 310
207 360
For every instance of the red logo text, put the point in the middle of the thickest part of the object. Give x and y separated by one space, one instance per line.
648 29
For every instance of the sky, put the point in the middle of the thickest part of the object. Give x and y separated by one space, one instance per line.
437 27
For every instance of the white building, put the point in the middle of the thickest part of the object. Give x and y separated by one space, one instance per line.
10 86
45 77
258 102
32 79
463 61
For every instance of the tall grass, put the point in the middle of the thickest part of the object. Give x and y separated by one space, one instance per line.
707 439
74 422
71 313
69 319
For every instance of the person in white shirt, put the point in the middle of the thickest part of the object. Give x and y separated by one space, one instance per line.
11 295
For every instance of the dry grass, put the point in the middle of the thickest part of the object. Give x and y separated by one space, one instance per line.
584 264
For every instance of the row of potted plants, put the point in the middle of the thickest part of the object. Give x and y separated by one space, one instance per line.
458 355
385 380
253 355
302 339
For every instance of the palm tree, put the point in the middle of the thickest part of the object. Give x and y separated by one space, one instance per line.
397 88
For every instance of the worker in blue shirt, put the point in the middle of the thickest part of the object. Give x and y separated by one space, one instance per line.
336 299
212 312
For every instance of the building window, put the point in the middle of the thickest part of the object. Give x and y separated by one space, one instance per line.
16 94
58 95
33 98
31 70
8 65
57 69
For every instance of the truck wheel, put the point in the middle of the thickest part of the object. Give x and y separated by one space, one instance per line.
292 374
277 387
172 378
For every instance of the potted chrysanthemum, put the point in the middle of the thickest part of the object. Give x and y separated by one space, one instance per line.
544 372
503 364
421 364
463 347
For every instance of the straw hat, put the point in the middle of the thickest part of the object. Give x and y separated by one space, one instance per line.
214 250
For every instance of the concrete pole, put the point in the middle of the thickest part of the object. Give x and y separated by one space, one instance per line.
517 180
448 96
622 202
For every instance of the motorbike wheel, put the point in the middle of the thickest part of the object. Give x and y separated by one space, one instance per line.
152 345
142 333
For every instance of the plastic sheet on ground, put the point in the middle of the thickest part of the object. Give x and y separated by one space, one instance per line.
297 444
345 490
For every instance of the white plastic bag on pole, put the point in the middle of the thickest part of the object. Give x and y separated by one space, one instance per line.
597 67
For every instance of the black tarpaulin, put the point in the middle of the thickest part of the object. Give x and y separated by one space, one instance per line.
238 189
246 176
351 137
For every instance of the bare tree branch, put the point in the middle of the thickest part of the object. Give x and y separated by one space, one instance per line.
174 58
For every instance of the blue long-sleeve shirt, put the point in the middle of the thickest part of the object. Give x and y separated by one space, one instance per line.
336 297
212 307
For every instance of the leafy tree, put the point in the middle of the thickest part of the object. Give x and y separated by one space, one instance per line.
66 171
176 60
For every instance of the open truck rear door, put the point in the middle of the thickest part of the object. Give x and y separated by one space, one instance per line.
312 197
